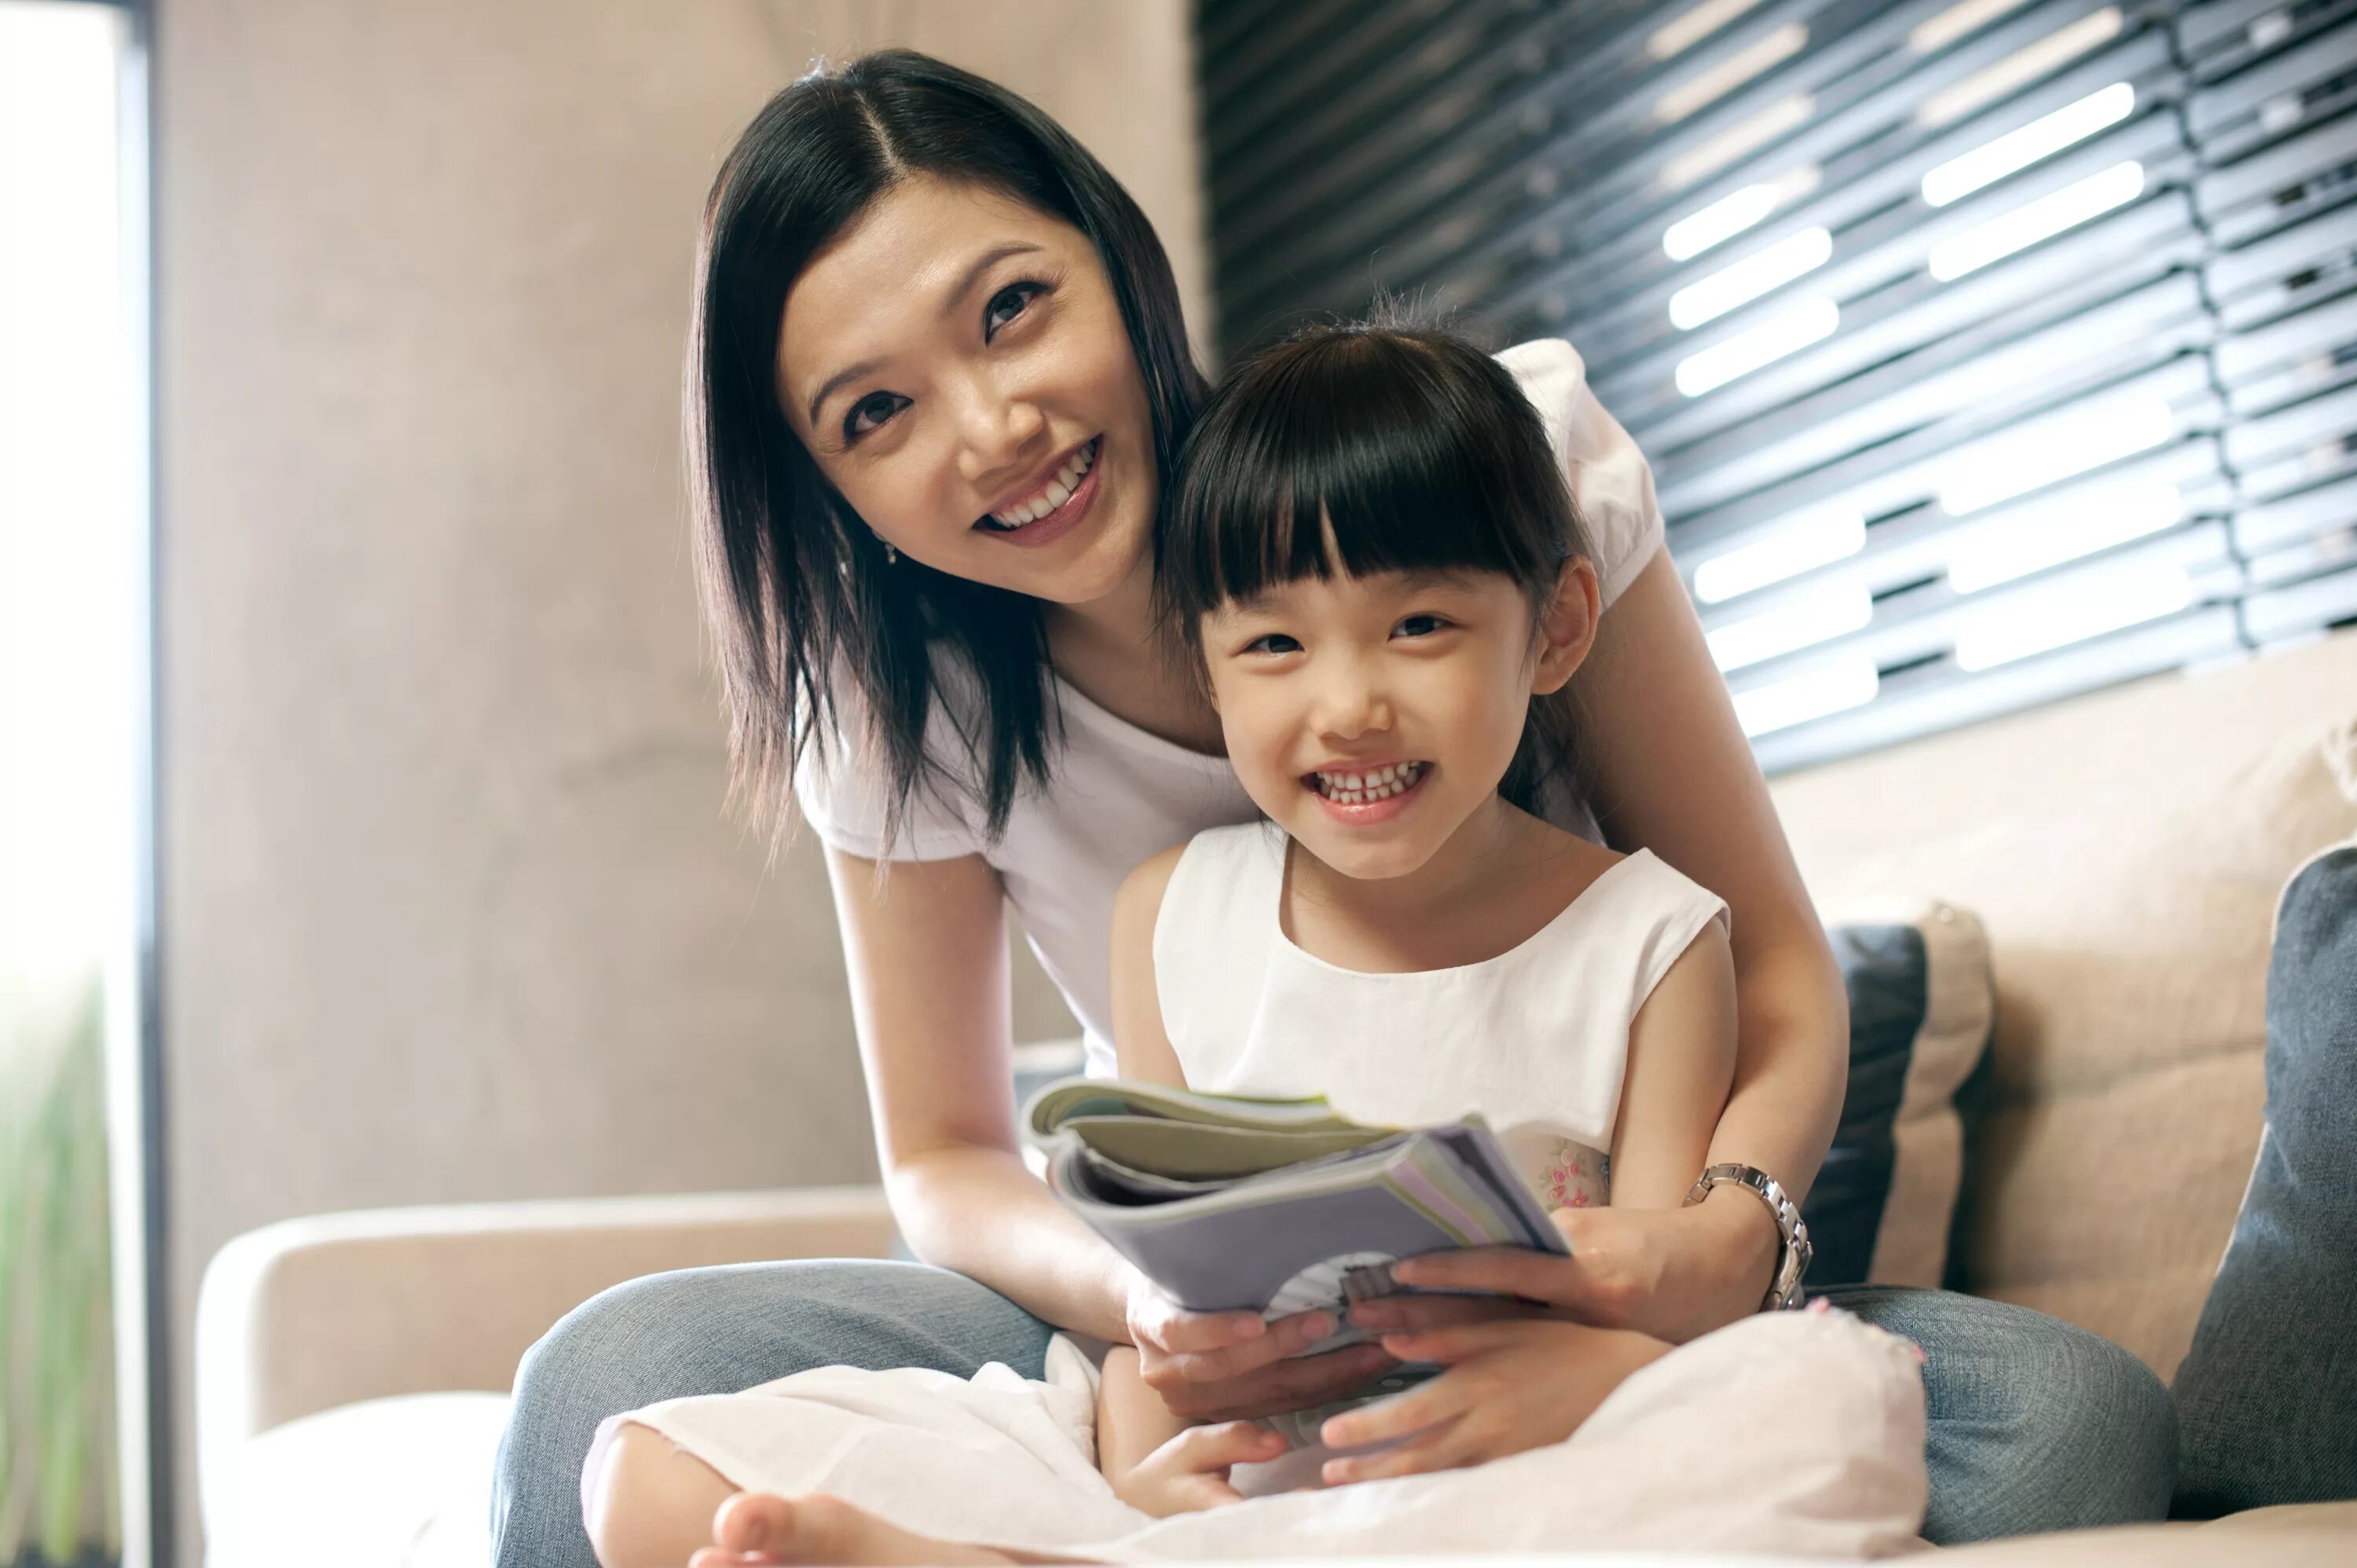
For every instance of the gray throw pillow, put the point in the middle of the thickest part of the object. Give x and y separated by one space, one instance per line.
2267 1398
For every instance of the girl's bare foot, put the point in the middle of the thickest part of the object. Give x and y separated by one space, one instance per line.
761 1528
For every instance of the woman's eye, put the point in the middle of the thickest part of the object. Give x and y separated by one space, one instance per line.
1007 304
870 411
1420 626
1273 643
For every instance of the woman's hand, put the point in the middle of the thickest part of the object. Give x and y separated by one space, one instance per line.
1671 1273
1190 1473
1228 1366
1509 1385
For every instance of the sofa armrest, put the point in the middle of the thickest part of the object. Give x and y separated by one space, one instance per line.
311 1313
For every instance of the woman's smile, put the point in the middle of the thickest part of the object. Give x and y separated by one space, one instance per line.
981 404
1048 508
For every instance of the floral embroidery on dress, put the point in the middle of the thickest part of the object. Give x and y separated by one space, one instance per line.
1576 1176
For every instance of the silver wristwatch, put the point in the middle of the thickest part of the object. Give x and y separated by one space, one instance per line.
1793 1262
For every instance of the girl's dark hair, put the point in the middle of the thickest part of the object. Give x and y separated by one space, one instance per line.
1384 446
797 590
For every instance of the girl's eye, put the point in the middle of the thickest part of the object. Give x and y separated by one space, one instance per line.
1006 305
1420 626
1275 642
870 411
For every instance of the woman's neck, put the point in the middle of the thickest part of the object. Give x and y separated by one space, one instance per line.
1109 650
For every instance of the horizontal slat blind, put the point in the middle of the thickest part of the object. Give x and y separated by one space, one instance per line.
1986 352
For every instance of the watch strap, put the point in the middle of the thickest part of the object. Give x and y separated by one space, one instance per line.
1793 1260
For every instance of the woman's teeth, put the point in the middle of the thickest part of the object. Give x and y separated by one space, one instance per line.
1363 788
1060 490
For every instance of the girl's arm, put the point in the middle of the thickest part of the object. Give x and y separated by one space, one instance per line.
1515 1383
1681 1061
1139 1042
926 950
1159 1464
1673 774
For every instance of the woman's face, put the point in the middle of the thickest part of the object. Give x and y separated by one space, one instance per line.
956 364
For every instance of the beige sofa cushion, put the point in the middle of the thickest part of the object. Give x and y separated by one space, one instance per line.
2125 852
406 1480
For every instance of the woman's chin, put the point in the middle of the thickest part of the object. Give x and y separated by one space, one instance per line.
1095 565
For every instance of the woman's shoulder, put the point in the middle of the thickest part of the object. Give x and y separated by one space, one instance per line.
1611 483
1549 368
845 784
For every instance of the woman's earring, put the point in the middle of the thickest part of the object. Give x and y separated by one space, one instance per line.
891 556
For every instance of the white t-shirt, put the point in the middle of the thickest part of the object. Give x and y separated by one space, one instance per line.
1120 794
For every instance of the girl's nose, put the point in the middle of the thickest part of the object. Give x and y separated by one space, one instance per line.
1352 705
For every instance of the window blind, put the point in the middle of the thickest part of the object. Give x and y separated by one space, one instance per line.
1986 353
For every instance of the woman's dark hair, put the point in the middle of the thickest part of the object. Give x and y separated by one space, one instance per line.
797 590
1383 446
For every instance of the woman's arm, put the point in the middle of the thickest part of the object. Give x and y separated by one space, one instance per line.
926 949
1672 772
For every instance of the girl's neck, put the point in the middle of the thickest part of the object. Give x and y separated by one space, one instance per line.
1491 847
1500 878
1108 650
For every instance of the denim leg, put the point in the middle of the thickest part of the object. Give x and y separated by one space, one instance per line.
2268 1393
2034 1424
705 1331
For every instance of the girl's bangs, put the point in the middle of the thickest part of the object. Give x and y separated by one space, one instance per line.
1361 454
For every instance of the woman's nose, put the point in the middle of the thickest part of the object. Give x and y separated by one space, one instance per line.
1000 434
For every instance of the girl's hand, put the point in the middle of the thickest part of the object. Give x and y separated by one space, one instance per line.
1509 1385
1229 1366
1671 1273
1190 1473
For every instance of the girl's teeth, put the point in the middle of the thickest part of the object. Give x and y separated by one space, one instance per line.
1358 788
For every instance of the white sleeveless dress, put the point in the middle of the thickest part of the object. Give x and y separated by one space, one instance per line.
1536 1039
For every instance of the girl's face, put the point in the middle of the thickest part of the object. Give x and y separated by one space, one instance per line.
957 365
1372 717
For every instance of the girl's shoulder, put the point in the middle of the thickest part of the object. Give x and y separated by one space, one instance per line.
1598 884
1228 858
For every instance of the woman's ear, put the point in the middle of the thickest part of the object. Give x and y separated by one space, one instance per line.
1567 629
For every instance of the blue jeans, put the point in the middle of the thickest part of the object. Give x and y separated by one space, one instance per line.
2034 1424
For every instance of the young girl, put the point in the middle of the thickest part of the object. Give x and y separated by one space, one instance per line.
1373 560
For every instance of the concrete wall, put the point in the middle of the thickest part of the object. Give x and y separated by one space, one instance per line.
451 908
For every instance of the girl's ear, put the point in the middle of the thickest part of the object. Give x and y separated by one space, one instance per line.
1567 629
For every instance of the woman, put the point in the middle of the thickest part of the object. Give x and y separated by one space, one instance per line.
940 383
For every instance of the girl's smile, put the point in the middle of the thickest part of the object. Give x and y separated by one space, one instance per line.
1363 794
1372 715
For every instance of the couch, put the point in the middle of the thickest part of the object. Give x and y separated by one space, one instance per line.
2124 850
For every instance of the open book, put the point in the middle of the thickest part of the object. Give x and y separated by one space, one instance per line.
1273 1206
